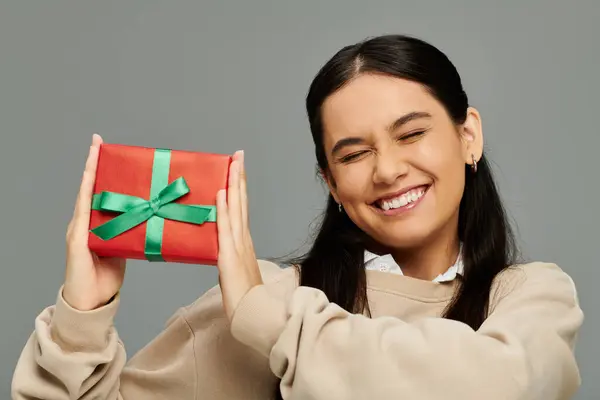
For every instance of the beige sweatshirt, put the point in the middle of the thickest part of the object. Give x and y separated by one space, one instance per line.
524 350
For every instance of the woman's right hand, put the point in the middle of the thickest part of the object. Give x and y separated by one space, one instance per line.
90 281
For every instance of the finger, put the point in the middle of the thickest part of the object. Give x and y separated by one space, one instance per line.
223 226
84 198
243 196
96 141
233 199
77 200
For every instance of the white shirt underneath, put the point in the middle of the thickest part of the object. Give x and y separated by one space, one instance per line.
386 263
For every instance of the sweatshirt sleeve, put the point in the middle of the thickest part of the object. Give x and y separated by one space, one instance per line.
524 349
78 355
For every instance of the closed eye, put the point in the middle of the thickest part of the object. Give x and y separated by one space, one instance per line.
353 156
405 138
411 136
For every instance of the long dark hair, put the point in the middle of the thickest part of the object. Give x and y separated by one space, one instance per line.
335 262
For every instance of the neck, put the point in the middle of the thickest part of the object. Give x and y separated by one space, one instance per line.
431 259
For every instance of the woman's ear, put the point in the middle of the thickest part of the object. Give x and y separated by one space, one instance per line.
472 136
326 175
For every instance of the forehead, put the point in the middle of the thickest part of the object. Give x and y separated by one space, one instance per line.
371 102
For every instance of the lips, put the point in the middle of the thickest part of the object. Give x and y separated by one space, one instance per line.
402 198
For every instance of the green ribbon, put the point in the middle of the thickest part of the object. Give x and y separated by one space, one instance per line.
136 210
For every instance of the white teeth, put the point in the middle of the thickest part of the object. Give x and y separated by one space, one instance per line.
403 200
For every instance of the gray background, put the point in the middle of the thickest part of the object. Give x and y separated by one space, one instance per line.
218 76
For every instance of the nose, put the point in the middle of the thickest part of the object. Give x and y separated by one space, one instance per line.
390 165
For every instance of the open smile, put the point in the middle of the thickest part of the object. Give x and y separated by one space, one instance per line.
401 202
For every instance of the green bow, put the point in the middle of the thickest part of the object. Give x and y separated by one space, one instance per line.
136 210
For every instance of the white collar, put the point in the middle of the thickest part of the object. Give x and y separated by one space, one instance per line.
386 263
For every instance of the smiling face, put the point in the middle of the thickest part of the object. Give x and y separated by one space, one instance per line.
396 159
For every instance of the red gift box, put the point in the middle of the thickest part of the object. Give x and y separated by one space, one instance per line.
135 177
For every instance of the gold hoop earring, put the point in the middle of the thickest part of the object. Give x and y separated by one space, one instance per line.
474 165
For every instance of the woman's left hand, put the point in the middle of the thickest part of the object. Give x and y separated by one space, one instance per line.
237 263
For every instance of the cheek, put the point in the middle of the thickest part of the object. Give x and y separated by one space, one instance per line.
442 157
443 162
352 183
450 183
449 170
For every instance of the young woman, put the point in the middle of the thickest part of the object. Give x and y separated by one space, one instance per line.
409 291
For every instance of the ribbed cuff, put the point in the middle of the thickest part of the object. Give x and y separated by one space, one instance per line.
82 331
259 320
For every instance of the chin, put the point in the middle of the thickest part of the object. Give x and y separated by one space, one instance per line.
403 237
405 241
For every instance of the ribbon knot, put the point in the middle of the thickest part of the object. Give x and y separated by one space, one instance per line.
136 210
155 204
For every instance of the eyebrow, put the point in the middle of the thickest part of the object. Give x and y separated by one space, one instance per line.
403 120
